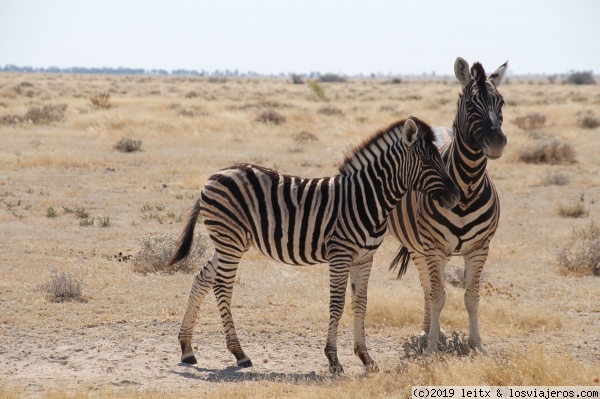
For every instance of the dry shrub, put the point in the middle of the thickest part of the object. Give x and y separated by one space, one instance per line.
271 116
26 89
63 286
101 100
158 248
551 152
332 78
304 136
581 78
531 121
127 144
587 119
456 345
556 178
581 256
46 114
330 111
455 276
37 115
576 209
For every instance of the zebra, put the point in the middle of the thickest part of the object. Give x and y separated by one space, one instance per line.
340 220
428 233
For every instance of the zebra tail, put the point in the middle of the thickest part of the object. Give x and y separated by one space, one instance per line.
184 244
402 258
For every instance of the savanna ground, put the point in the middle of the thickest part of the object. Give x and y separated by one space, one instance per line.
72 203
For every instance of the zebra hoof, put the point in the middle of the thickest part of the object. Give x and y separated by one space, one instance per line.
336 369
244 362
372 368
189 360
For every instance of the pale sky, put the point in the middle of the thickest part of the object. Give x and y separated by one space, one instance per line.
271 36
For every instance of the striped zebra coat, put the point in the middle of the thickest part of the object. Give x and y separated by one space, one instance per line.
340 220
429 234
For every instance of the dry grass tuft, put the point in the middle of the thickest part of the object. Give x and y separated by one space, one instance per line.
127 144
158 248
304 136
531 121
587 119
575 209
330 111
549 152
271 116
456 345
556 178
101 100
63 286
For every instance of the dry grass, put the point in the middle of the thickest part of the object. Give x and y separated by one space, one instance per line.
538 323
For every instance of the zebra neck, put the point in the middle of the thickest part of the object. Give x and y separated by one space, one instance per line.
370 192
466 165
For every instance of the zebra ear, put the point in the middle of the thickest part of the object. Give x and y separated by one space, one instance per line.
498 76
461 70
409 132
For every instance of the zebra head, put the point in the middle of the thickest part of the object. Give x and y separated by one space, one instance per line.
427 173
480 108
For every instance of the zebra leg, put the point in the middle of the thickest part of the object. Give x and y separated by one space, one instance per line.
473 268
223 289
203 282
359 280
426 285
338 279
437 297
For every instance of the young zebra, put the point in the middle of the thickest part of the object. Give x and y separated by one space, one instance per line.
429 234
340 220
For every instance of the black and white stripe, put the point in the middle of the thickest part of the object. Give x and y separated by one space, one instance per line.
429 233
340 220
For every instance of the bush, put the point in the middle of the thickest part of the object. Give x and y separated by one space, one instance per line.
556 178
297 79
63 287
457 344
581 78
332 78
127 144
37 116
271 116
318 90
588 119
551 152
574 210
101 100
581 256
157 250
531 121
304 136
330 111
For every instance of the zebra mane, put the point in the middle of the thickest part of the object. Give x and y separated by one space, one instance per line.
478 73
382 140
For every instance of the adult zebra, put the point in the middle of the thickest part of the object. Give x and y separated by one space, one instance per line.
340 220
429 234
